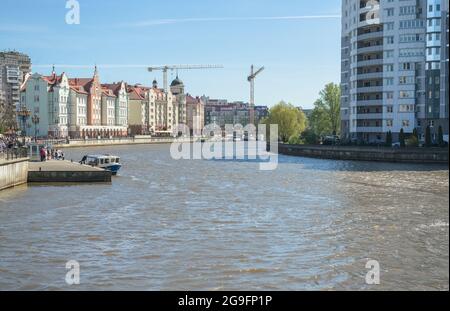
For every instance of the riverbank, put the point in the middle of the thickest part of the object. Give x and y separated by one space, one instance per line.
74 143
13 172
376 154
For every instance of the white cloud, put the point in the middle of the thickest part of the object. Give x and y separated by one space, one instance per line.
155 22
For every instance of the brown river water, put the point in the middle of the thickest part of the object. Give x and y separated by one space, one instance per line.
166 224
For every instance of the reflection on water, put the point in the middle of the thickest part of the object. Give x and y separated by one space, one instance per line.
225 225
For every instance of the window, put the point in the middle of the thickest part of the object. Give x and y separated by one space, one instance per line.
389 109
389 122
405 123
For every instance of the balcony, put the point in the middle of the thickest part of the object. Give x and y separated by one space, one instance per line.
369 116
369 129
369 102
370 75
370 62
370 35
369 49
370 89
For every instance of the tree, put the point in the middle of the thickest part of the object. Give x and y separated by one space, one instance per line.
414 133
291 120
440 136
309 137
413 141
402 138
326 116
389 139
7 117
428 136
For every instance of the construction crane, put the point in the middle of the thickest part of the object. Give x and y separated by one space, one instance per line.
251 79
166 68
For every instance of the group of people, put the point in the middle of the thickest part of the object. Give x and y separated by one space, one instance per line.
47 153
6 142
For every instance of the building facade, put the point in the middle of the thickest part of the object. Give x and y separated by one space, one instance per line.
14 67
222 112
73 107
138 114
390 53
195 115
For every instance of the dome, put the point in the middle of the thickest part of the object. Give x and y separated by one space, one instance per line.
176 82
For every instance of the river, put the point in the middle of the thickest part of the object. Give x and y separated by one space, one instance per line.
166 224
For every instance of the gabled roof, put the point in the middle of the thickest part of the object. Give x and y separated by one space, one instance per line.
114 87
84 82
137 92
79 89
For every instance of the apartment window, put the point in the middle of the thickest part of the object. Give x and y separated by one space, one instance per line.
430 8
388 81
405 66
389 109
389 40
405 123
389 26
389 122
389 12
389 67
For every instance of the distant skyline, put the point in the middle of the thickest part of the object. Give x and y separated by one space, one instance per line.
298 42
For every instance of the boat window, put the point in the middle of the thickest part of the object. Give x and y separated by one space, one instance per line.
117 160
101 161
106 161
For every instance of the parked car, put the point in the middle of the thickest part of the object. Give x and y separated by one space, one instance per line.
331 140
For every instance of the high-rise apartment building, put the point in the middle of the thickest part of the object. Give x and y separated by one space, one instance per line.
13 68
394 68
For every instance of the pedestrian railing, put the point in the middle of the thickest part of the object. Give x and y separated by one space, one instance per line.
13 154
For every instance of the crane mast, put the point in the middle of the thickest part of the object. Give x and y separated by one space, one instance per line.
251 79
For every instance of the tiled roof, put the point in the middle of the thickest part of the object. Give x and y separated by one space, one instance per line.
137 92
78 89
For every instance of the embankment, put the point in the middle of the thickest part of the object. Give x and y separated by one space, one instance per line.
379 154
13 172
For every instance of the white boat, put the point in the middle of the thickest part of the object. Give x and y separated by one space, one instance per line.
104 161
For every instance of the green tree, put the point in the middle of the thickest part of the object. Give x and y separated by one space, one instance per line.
402 138
7 117
440 136
428 136
414 133
291 120
309 137
326 116
413 140
389 139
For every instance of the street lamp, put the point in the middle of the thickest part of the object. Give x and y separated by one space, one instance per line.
35 120
24 114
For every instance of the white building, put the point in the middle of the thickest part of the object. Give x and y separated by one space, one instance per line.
389 49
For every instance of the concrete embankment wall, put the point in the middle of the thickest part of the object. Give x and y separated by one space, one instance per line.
69 176
13 172
381 154
115 141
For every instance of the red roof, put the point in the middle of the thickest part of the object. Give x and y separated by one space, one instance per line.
137 92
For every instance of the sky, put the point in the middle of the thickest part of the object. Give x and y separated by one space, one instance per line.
297 41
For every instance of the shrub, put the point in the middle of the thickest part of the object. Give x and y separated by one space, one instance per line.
389 139
401 138
413 141
294 140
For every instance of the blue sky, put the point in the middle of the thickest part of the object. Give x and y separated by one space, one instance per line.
298 42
